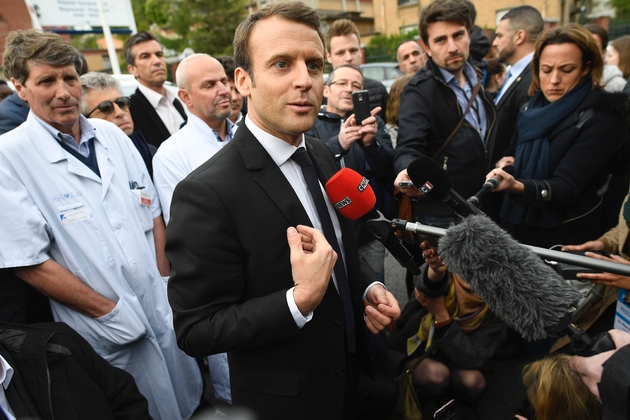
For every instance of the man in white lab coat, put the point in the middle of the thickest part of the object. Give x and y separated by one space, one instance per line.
82 224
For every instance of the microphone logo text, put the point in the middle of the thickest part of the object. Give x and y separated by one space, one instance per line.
363 184
342 203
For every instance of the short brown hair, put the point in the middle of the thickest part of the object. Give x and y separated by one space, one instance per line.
27 46
557 392
342 27
291 11
570 34
622 45
444 11
136 39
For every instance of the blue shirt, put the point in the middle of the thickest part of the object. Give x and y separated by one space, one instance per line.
476 115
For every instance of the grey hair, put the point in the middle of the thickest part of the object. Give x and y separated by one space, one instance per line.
96 81
181 74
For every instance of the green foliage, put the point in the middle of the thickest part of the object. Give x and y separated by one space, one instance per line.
85 42
142 21
622 7
206 26
383 48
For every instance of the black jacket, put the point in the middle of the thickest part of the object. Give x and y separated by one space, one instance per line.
514 98
429 112
373 161
146 119
614 389
581 156
58 375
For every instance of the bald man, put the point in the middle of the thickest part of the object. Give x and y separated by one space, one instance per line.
203 87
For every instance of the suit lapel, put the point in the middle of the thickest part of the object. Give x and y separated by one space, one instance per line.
270 177
510 90
151 115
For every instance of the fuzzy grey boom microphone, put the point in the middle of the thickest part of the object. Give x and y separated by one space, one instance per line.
517 285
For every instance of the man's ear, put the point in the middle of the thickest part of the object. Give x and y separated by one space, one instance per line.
328 57
184 96
243 82
326 91
19 89
520 37
131 69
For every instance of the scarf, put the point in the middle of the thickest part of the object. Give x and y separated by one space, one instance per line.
531 160
465 307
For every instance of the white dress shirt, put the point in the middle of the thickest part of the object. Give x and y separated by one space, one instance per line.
164 107
514 72
6 373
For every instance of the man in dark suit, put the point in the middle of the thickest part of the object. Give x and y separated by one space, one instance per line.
156 112
515 38
294 337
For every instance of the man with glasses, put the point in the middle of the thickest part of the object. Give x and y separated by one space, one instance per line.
83 225
365 147
101 97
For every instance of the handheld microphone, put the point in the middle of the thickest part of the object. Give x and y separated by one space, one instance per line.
488 186
353 197
433 180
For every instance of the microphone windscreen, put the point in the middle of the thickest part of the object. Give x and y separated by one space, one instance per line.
423 170
523 291
350 193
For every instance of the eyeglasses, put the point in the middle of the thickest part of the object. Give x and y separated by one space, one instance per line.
107 107
354 86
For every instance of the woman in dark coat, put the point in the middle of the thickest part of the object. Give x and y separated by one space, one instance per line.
566 139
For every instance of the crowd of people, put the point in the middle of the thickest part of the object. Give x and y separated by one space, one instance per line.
158 244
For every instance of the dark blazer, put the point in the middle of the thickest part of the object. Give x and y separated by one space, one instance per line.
146 119
226 241
507 113
13 112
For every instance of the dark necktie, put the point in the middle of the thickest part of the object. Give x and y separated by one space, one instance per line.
301 158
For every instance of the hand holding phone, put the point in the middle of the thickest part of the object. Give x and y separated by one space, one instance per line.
361 103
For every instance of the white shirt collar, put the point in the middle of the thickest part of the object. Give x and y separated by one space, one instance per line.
87 130
153 97
279 150
6 373
520 65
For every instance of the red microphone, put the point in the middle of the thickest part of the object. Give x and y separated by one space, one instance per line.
353 197
351 194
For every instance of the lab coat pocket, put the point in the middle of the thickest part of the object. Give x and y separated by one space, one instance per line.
143 210
120 327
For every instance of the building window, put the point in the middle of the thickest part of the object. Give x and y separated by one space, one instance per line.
408 2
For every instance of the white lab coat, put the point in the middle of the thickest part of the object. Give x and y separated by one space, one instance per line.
53 206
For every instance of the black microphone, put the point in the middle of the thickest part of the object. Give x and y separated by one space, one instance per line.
352 196
432 180
488 186
515 283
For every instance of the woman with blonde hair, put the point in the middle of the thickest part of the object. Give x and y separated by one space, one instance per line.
556 392
619 55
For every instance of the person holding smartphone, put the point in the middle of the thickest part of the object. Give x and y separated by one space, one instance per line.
358 139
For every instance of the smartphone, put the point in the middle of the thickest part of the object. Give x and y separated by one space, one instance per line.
361 103
449 411
408 184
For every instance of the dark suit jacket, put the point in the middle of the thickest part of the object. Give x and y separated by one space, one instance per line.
507 112
146 119
226 240
13 112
